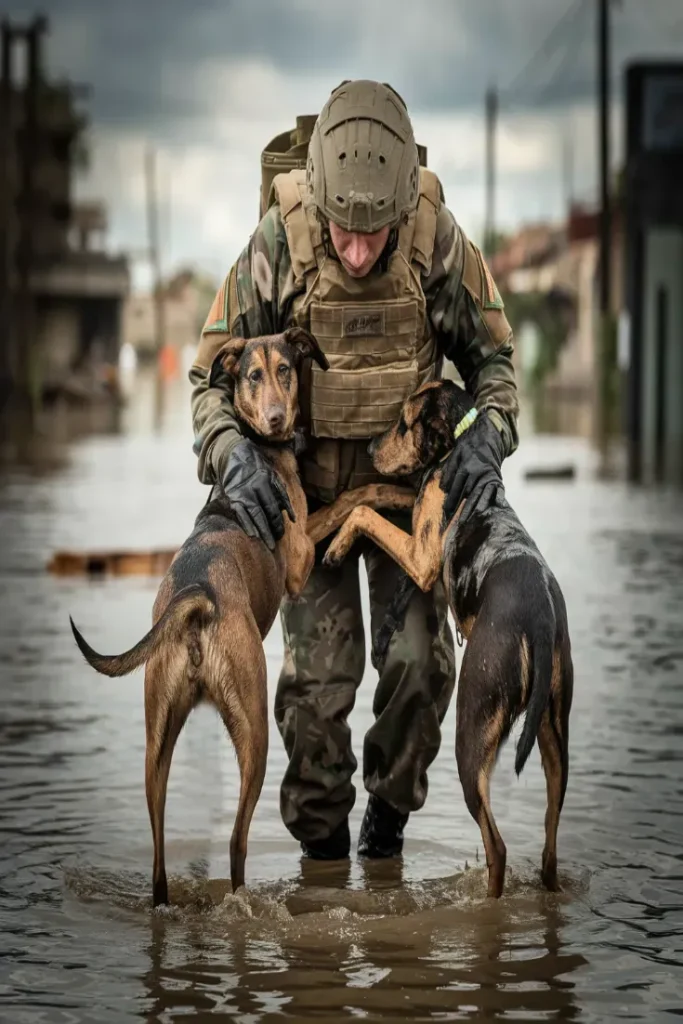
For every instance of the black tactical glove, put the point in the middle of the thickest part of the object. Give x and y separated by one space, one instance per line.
472 471
256 494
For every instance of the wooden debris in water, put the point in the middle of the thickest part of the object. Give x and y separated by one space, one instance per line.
111 563
551 473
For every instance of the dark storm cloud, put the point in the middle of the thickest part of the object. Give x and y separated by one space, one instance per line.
144 59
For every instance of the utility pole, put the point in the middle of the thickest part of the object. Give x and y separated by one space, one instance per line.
490 220
567 148
603 100
155 261
605 346
7 360
29 376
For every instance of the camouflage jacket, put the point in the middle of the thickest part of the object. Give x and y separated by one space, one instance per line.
256 297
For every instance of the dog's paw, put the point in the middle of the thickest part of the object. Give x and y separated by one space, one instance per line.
339 548
332 559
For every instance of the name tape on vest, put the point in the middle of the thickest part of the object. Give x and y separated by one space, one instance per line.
363 324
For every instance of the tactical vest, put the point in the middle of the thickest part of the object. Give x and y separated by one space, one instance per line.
374 331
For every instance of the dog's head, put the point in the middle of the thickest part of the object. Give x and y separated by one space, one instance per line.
266 379
424 430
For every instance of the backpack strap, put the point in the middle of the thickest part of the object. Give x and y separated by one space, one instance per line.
304 236
428 206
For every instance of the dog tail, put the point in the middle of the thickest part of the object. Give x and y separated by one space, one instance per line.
196 599
541 679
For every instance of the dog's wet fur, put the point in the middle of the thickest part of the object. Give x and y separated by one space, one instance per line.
506 603
221 594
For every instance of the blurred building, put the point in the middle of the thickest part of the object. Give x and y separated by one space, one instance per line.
653 322
186 300
61 294
558 264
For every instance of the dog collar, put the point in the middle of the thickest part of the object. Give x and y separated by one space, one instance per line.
265 442
465 423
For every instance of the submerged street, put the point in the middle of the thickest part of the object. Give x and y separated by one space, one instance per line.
413 939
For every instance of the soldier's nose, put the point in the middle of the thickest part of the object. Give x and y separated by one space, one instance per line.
357 251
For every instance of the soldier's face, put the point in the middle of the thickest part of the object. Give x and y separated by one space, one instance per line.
358 252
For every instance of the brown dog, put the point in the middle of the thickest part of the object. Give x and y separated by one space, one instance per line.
220 595
506 603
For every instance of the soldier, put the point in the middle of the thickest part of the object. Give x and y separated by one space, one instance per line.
361 249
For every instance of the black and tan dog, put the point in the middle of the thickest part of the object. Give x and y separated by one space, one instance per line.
505 601
221 594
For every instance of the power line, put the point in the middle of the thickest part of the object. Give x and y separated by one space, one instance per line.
579 28
562 48
548 46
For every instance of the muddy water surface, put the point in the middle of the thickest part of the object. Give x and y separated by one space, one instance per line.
415 939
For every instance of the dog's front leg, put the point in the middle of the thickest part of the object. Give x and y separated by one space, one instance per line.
326 520
420 561
300 558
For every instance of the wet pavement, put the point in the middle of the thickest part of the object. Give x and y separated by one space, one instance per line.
415 939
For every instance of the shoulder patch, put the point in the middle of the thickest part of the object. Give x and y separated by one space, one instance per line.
492 297
217 319
225 308
478 280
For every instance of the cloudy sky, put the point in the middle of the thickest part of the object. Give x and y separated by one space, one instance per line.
209 82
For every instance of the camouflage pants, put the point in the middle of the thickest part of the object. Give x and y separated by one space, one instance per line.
323 667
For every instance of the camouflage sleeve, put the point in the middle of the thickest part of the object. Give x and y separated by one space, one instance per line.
467 313
251 301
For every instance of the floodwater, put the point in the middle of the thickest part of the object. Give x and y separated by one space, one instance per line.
415 939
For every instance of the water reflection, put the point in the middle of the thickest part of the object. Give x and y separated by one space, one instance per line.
489 964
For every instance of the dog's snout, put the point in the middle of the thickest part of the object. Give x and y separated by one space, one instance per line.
275 418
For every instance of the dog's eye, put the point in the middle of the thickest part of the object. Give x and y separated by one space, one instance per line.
282 369
402 427
255 376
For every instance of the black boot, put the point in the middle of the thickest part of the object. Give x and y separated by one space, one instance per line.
381 832
333 847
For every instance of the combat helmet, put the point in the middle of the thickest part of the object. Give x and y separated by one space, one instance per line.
362 169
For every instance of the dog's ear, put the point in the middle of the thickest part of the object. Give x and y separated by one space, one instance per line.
229 355
304 344
435 413
411 410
